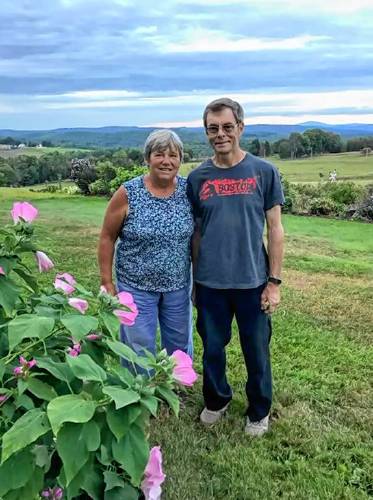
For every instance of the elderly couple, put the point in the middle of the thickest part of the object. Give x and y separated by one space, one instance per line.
218 214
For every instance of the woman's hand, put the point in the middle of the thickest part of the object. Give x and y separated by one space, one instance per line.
110 288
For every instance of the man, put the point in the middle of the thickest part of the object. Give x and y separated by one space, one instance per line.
233 195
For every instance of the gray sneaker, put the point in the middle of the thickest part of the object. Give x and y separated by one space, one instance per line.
209 417
257 429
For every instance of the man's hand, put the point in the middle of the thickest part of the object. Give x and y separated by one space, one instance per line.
270 298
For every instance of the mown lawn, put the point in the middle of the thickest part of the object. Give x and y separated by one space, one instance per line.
320 445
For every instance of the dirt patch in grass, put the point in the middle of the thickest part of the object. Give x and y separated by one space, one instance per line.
332 301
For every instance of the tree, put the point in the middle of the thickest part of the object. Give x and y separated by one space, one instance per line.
120 158
267 149
27 169
83 174
8 176
254 147
333 143
284 149
136 155
296 145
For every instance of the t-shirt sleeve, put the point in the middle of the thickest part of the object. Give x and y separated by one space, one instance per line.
273 194
193 198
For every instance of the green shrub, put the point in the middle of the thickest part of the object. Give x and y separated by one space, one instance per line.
324 206
364 209
125 174
344 192
326 198
100 187
74 423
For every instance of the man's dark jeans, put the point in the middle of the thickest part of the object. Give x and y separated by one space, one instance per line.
216 308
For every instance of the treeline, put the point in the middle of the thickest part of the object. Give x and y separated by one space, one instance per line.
31 144
26 170
313 142
359 143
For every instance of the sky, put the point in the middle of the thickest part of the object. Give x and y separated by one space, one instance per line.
94 63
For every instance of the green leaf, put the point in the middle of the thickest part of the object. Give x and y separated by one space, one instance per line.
27 278
121 397
59 370
24 401
21 386
92 483
28 326
80 288
42 457
87 479
132 452
40 389
123 351
7 263
16 471
9 293
69 408
127 492
84 368
25 431
124 375
74 444
78 325
47 312
119 421
105 456
112 324
2 368
151 403
31 489
112 480
91 435
55 299
170 397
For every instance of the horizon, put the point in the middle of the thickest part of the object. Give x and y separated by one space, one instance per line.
310 123
81 63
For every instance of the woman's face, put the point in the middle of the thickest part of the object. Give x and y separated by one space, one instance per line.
165 164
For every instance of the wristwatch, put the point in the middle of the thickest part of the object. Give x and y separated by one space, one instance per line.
275 281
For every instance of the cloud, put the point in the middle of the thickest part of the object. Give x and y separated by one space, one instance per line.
215 41
75 61
336 6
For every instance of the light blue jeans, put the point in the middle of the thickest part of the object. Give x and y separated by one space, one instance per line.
173 312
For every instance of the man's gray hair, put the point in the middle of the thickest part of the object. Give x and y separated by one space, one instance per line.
160 140
224 102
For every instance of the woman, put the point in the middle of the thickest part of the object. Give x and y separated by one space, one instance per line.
151 218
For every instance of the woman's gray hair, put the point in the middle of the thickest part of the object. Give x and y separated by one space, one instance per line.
160 140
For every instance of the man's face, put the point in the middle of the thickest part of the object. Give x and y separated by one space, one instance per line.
223 131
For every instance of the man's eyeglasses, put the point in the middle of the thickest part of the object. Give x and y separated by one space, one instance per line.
228 128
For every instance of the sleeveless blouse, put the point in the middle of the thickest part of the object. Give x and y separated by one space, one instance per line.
153 251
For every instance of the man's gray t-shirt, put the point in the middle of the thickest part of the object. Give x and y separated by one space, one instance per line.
229 205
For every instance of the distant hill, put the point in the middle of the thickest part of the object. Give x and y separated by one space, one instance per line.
117 136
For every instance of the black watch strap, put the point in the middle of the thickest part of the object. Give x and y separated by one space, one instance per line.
275 281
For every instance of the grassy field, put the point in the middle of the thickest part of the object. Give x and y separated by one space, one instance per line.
320 445
349 166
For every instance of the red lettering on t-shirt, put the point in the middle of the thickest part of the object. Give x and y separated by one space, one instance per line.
227 187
